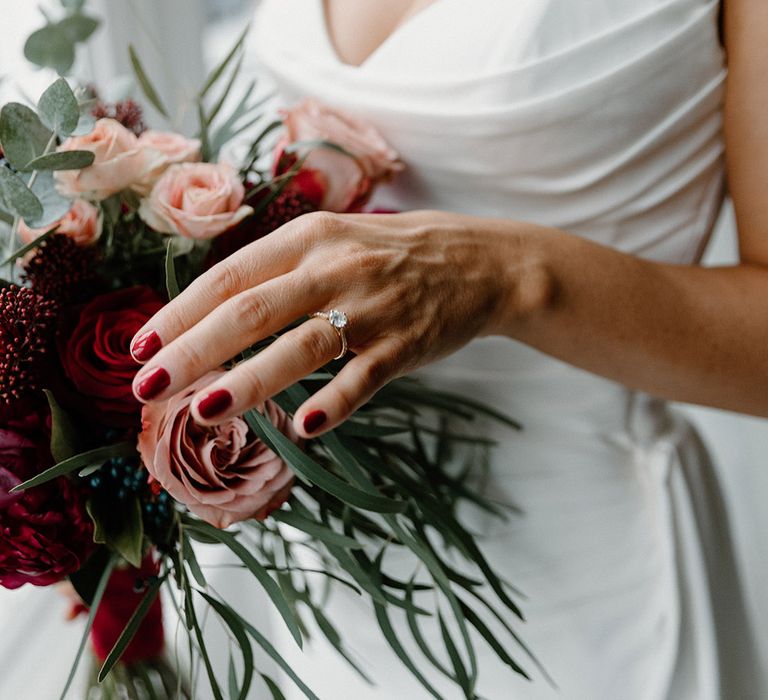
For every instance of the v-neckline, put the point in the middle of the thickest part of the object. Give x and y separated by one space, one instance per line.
394 34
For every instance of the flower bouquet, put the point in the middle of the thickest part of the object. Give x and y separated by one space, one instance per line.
107 221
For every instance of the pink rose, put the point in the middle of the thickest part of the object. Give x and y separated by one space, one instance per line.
347 180
223 474
82 223
162 149
118 164
196 200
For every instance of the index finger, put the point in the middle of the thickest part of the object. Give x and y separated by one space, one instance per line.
258 262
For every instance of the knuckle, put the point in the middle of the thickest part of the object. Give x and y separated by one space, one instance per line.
248 309
189 356
226 278
316 343
318 224
374 373
250 378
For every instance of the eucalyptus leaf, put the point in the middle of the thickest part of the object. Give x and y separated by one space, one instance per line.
32 245
54 205
144 82
50 48
63 160
73 6
19 199
23 135
85 124
315 529
58 109
77 28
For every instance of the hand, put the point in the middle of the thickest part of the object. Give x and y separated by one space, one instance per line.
415 287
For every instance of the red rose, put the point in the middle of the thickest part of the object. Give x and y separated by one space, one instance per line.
45 532
95 352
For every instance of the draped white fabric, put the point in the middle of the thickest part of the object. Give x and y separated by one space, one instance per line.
604 119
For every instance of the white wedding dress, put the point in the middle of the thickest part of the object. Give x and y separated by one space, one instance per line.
603 118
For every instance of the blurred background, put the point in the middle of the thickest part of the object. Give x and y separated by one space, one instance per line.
178 41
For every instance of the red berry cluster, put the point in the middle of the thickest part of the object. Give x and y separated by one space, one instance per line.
27 324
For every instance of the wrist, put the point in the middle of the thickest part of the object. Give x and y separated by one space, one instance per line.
527 283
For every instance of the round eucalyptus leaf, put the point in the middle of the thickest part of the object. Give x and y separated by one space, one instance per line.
17 197
23 135
77 27
54 205
64 160
58 108
50 47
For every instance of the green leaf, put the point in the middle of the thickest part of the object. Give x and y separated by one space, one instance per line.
85 459
146 86
413 623
273 688
63 160
17 197
98 595
132 626
85 124
188 554
264 643
21 252
86 579
171 282
77 28
23 135
63 434
217 72
309 470
120 527
397 647
54 205
58 109
233 621
72 6
225 92
316 529
261 574
193 624
453 653
50 48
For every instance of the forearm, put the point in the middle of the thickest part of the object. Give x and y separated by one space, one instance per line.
685 333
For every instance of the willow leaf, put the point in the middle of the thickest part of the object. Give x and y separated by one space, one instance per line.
144 82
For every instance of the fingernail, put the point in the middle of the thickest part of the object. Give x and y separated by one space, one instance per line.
215 403
313 420
149 387
145 346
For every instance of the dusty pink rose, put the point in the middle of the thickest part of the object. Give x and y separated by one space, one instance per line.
161 150
223 474
118 164
196 200
81 223
347 180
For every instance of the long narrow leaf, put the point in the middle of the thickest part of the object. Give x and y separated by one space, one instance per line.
258 570
171 282
146 85
132 626
316 529
97 596
217 72
85 459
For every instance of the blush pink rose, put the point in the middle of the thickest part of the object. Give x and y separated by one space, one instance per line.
82 223
196 200
347 180
223 474
118 163
161 150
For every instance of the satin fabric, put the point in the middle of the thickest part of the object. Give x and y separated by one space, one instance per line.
603 119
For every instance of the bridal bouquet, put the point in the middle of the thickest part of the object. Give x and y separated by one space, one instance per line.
107 221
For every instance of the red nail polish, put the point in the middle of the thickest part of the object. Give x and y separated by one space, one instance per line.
215 403
313 420
145 346
149 387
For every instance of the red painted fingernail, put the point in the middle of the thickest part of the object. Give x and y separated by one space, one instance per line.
313 420
149 387
145 346
215 403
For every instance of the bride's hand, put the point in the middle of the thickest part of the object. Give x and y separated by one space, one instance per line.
415 287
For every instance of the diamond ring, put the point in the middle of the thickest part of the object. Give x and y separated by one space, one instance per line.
338 320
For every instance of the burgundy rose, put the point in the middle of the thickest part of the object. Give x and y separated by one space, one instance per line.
95 352
45 532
